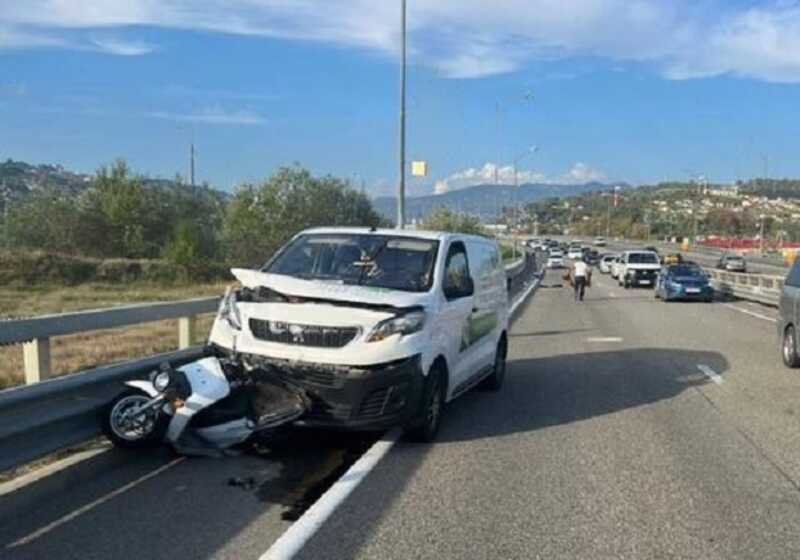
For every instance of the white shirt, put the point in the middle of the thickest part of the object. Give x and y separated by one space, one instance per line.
581 268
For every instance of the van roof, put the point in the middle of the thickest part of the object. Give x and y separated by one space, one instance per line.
419 234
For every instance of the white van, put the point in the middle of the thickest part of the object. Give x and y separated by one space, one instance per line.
379 327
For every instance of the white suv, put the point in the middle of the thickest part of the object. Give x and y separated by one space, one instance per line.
638 268
575 252
379 327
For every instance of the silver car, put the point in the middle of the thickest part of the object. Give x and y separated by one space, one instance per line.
788 319
732 263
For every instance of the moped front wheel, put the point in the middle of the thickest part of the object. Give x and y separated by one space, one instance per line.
128 427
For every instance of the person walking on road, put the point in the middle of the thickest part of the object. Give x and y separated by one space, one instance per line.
581 278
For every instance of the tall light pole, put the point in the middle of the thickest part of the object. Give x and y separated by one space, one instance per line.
191 164
401 191
520 157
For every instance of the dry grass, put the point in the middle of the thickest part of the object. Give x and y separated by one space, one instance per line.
24 302
84 350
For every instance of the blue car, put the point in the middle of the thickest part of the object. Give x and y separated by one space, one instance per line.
683 282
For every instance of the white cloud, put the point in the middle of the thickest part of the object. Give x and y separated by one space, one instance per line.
578 174
121 47
582 173
214 115
464 38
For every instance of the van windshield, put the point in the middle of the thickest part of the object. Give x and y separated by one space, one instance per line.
393 262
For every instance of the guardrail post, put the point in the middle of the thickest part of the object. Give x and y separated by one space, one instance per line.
186 330
36 360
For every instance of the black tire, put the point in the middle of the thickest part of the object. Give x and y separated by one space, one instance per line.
425 430
625 283
495 380
789 348
156 431
657 295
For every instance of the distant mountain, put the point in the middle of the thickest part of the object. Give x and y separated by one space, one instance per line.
485 201
19 179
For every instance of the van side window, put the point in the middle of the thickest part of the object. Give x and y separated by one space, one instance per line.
456 269
793 279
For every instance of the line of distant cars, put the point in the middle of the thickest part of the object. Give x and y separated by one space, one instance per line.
671 277
558 252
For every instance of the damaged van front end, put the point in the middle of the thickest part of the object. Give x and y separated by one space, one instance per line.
357 351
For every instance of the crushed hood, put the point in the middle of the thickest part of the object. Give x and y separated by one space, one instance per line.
330 291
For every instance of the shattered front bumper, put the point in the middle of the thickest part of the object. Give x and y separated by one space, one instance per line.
353 397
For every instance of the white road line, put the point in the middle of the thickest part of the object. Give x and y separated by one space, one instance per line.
612 294
296 536
710 373
604 339
524 296
751 313
299 533
48 470
91 505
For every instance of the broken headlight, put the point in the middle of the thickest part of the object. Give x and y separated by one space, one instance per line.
229 311
404 324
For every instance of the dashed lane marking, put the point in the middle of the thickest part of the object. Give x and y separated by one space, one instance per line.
604 339
751 313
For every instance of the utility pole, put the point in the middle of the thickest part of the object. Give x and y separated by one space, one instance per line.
497 116
608 218
6 202
401 194
517 159
191 164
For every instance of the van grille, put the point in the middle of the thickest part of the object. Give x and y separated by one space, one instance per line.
302 335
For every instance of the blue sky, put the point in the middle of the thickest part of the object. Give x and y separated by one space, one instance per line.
634 90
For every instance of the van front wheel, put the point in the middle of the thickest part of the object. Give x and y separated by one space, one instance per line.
432 408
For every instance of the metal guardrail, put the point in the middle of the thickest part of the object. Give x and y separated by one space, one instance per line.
35 332
44 416
754 287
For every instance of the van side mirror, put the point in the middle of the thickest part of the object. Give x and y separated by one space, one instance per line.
465 288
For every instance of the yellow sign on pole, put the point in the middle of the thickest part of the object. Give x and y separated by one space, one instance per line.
419 168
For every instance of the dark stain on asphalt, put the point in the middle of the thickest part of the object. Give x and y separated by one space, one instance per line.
311 462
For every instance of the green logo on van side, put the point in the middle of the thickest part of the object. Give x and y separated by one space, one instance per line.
476 327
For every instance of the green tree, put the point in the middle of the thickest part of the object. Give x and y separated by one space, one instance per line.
444 219
260 218
120 212
46 221
185 249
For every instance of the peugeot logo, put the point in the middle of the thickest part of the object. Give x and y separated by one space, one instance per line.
297 333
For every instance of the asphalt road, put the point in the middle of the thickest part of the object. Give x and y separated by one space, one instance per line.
152 504
627 428
607 441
